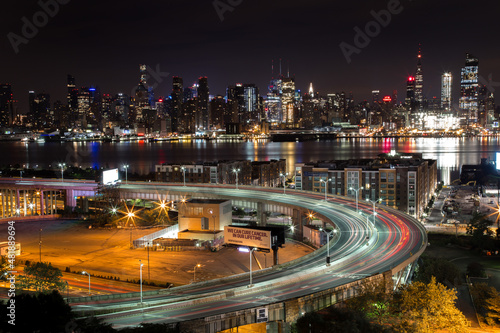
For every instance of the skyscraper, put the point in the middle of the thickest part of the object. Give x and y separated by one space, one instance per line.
72 93
287 101
419 83
410 94
469 89
7 115
202 117
177 98
446 81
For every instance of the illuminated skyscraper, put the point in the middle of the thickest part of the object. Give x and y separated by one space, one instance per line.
72 94
177 97
287 101
7 115
469 89
410 94
202 117
446 81
419 83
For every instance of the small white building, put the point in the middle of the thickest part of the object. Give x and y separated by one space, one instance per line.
204 219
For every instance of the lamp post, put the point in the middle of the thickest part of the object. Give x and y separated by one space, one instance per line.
40 244
374 212
357 196
328 233
236 171
84 272
246 249
140 276
126 173
326 186
211 212
21 172
284 180
62 165
184 174
194 274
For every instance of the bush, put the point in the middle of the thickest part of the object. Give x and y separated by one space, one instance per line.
475 269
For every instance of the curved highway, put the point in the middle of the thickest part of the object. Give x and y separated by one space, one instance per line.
357 251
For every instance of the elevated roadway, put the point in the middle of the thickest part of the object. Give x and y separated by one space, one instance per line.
358 251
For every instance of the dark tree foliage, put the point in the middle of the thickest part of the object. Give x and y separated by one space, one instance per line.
42 313
443 270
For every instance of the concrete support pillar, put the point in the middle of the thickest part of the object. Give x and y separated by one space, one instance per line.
3 203
18 203
299 220
261 214
70 201
42 203
25 202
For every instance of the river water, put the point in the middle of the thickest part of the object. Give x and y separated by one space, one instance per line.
142 156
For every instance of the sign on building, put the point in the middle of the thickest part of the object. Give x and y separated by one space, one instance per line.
247 237
262 315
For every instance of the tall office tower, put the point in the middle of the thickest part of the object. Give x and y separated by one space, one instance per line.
287 101
469 89
202 117
218 110
177 98
394 97
188 94
142 93
419 83
83 106
7 115
375 97
72 94
251 105
311 90
40 115
446 81
273 101
410 102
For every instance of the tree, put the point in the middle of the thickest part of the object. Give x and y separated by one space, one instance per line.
475 269
41 276
4 267
42 313
373 299
492 307
430 307
478 228
443 270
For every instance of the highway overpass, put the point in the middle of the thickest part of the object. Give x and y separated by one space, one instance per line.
283 293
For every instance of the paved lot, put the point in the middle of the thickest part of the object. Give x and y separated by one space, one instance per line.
107 252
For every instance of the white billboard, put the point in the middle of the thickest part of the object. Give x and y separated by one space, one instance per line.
110 176
247 237
498 160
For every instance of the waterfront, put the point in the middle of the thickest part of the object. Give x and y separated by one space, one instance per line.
142 156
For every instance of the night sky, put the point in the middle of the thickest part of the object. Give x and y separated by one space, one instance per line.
103 42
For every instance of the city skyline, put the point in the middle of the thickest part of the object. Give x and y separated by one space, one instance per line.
236 49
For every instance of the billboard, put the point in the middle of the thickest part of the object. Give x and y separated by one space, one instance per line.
498 160
110 177
247 237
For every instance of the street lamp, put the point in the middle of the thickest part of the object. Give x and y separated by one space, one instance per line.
21 172
374 212
357 197
284 180
62 165
140 276
328 233
89 279
184 174
126 166
326 186
246 249
236 171
194 274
